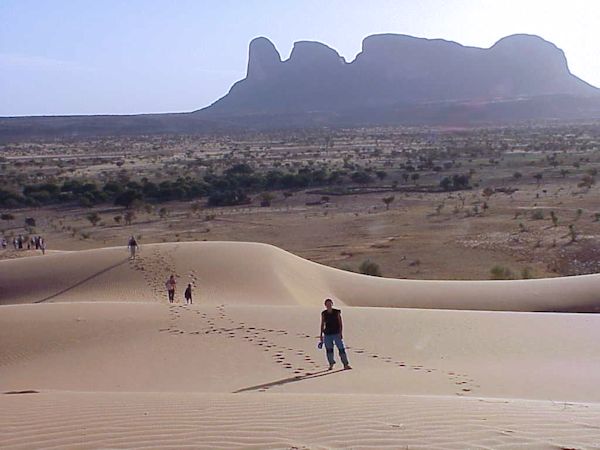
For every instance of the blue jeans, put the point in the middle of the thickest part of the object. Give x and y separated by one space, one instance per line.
329 340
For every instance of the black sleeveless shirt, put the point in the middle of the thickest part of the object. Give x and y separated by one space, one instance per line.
332 321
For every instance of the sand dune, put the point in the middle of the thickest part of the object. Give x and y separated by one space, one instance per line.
92 356
228 272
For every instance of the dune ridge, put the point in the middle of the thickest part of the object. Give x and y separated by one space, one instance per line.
265 274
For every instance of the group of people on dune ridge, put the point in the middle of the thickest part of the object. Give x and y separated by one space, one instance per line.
22 242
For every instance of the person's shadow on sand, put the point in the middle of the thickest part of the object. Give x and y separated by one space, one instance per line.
294 379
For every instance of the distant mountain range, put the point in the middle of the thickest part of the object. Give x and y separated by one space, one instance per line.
395 79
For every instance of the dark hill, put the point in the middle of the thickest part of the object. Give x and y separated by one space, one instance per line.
397 70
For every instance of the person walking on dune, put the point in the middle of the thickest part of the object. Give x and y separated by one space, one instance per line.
331 334
170 284
188 294
133 247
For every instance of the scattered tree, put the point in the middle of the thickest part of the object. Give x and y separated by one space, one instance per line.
94 218
196 207
381 174
572 233
7 217
554 218
266 198
129 217
388 201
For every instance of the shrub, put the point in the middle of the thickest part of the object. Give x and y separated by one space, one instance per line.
266 199
94 218
129 217
501 273
526 273
537 214
347 268
572 233
127 198
361 177
381 174
196 207
369 267
228 198
387 201
455 183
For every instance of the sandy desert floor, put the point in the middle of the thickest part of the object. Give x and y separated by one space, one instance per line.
93 356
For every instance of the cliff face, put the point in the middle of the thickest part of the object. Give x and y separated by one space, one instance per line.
397 70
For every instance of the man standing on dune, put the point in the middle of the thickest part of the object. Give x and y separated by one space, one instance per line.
331 333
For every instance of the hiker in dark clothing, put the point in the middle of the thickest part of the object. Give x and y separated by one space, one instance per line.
331 333
188 294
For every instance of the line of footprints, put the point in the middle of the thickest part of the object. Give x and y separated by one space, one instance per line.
155 268
298 361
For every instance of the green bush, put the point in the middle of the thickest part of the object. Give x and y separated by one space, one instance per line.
527 273
501 273
537 214
369 267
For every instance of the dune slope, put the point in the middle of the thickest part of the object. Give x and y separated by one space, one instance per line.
253 273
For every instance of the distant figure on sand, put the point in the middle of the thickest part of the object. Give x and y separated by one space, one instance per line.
170 284
331 333
188 294
133 247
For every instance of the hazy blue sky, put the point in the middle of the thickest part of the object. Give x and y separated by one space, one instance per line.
131 56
